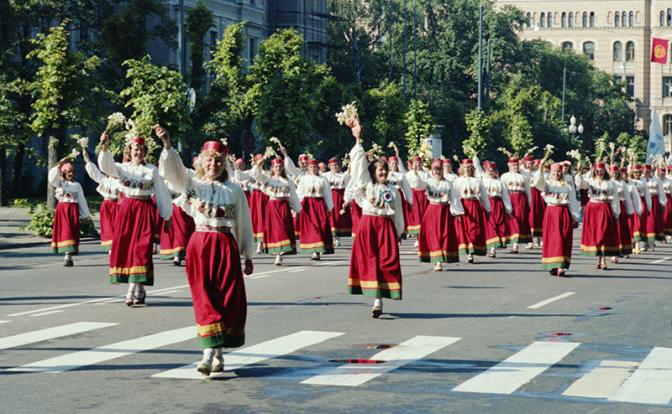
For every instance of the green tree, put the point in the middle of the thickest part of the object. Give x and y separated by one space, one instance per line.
198 22
14 130
66 93
419 125
385 103
479 126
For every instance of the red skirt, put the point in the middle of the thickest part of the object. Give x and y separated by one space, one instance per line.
556 252
599 237
437 241
175 239
65 230
108 213
258 201
495 224
405 207
638 223
279 234
472 228
131 257
355 215
417 211
297 224
374 264
585 198
667 216
158 222
341 224
654 221
315 229
518 223
217 289
537 208
623 232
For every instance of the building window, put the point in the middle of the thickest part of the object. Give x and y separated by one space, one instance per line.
618 52
661 19
617 79
549 20
668 18
631 19
584 19
630 86
529 19
213 40
630 51
571 19
589 50
251 49
667 124
624 19
567 46
667 86
542 19
592 19
563 21
617 19
83 33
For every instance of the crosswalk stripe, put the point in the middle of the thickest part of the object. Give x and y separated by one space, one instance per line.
518 369
50 333
352 375
256 353
601 381
1 322
80 359
651 383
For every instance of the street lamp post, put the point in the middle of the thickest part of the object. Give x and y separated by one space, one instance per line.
575 130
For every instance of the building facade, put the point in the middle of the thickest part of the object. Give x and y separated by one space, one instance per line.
616 35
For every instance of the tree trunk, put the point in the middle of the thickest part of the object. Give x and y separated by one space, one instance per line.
52 159
3 161
16 187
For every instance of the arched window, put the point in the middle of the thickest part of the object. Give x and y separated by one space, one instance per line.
549 19
617 19
529 19
630 51
667 124
592 19
567 46
571 19
668 18
563 21
589 50
631 19
584 19
542 19
638 18
661 19
618 52
624 19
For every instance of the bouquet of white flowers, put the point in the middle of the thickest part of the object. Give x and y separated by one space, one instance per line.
83 142
115 121
548 150
74 154
530 151
347 112
574 154
505 151
270 152
275 140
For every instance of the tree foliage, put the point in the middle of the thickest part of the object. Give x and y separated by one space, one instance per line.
419 125
198 23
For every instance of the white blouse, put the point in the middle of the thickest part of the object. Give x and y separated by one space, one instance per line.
278 188
399 181
337 181
416 179
471 188
243 179
667 185
517 183
623 192
68 191
374 199
142 180
495 188
655 188
441 192
558 193
642 191
634 197
214 204
601 191
315 186
108 187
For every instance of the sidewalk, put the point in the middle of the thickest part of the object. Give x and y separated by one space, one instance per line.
11 236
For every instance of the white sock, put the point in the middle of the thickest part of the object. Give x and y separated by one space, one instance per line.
208 355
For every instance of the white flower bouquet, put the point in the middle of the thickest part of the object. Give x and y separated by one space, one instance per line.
348 112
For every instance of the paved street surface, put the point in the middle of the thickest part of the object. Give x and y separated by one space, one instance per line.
498 336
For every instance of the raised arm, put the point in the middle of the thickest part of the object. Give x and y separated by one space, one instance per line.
105 158
170 165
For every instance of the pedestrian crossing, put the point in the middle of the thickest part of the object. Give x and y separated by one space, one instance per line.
644 381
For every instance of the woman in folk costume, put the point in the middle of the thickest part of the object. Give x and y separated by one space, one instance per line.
241 177
636 205
70 208
223 234
295 174
667 213
448 173
500 206
518 223
560 218
437 241
537 203
599 235
622 191
654 221
108 187
375 270
341 224
316 203
474 198
416 179
257 202
131 258
279 236
638 228
397 178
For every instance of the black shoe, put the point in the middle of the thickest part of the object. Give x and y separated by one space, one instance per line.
67 262
140 300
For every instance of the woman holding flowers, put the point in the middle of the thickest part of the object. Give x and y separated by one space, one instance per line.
316 203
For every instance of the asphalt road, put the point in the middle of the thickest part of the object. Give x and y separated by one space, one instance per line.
500 335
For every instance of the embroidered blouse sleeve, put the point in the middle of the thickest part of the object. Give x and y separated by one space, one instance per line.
294 202
93 172
107 165
174 171
163 200
54 176
484 197
243 224
81 202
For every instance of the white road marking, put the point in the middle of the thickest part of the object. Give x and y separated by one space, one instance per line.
518 369
299 269
333 262
352 375
50 333
662 260
80 359
550 300
46 313
601 381
1 322
651 383
256 353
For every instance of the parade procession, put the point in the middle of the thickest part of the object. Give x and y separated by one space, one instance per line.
335 206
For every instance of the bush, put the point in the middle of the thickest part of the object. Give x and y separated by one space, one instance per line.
21 202
42 219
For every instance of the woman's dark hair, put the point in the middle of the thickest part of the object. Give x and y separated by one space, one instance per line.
372 168
283 173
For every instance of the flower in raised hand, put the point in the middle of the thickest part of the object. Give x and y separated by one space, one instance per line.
348 112
74 153
83 142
